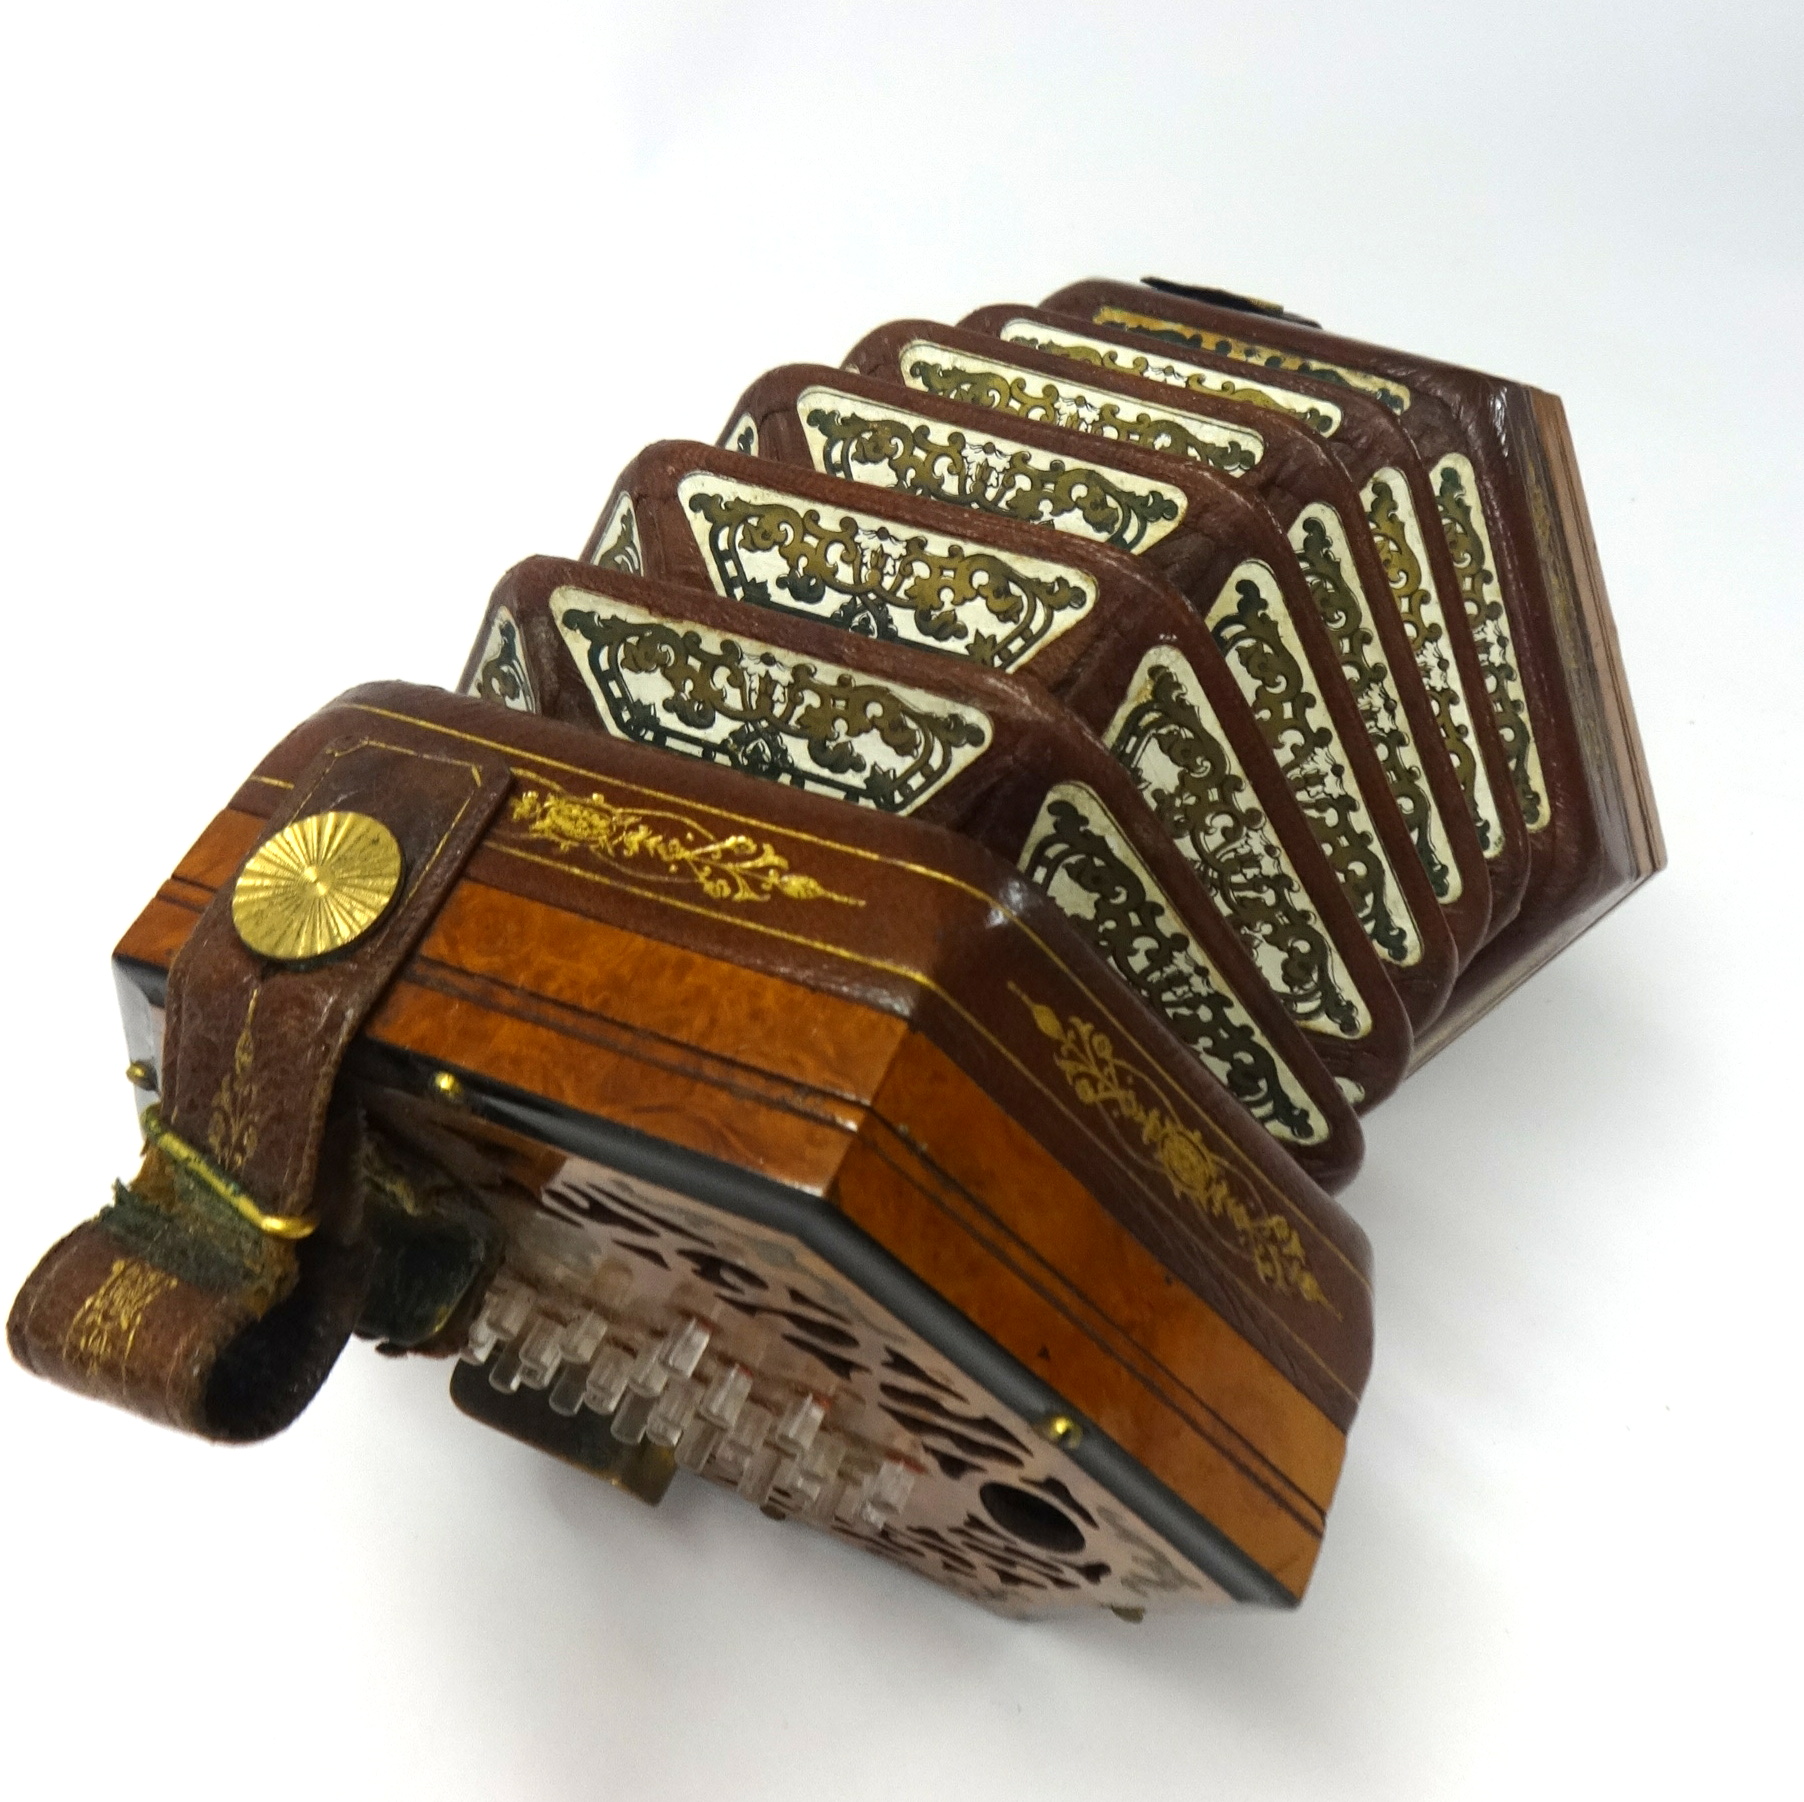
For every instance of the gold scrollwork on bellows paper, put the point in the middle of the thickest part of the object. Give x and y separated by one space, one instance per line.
619 547
501 673
1412 589
1099 1079
769 714
1462 518
1382 389
1112 905
1296 726
879 576
729 867
1198 381
1044 400
943 463
1334 587
1193 784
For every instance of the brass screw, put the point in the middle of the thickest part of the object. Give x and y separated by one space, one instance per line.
140 1074
448 1088
1062 1430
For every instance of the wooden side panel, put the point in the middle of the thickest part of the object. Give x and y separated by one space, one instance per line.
734 1013
685 1108
1265 1519
1010 1236
705 1055
1003 1187
1608 690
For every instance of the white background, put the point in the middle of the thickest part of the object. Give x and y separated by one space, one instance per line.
313 319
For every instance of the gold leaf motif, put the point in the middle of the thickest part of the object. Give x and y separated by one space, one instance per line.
231 1127
100 1337
1267 660
733 868
1086 1059
1075 854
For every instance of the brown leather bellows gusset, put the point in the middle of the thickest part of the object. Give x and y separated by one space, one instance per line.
217 1291
862 996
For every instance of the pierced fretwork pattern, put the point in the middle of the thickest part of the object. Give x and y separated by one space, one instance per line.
763 1370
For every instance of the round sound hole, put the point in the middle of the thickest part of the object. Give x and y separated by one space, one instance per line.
1031 1519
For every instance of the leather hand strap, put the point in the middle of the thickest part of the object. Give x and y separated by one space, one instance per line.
171 1304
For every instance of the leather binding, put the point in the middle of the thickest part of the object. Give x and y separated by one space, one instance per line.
1135 666
168 1304
1283 460
994 1205
1505 486
887 727
1219 548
